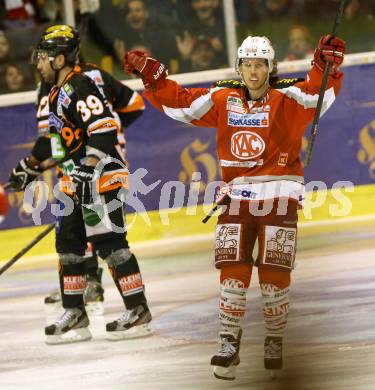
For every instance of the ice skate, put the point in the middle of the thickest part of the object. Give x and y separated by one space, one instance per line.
132 324
93 295
273 354
70 328
227 359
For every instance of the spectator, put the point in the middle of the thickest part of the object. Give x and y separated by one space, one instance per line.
202 57
20 13
4 47
300 41
17 77
51 11
138 29
277 9
208 21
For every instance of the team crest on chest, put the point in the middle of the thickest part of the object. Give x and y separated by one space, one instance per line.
246 145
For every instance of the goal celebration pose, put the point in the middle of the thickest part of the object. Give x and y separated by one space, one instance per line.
260 125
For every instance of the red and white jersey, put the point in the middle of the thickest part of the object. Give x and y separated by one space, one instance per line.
257 142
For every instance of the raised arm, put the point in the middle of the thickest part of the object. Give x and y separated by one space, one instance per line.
188 105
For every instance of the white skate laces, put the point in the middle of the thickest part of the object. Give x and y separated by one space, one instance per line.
227 347
133 323
227 359
71 327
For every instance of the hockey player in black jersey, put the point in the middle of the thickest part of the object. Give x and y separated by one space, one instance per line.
83 140
126 105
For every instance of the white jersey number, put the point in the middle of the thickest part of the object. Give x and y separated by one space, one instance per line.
43 108
92 106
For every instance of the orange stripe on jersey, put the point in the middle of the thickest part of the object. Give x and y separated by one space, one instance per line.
112 181
106 124
66 185
137 105
54 94
76 148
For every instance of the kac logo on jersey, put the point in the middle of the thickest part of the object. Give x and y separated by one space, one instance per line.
248 120
246 144
55 122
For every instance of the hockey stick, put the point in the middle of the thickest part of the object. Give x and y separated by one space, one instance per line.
314 128
39 237
210 214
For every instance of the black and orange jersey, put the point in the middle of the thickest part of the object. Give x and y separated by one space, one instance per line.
80 121
125 102
126 106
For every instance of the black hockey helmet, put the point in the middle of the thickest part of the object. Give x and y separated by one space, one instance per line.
58 39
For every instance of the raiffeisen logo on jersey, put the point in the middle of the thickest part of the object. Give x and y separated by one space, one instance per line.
246 144
260 119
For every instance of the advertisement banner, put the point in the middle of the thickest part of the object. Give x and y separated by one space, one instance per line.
163 152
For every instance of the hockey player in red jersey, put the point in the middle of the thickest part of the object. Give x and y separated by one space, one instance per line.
259 133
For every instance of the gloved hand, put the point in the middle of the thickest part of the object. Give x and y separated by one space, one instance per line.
330 50
84 177
23 174
149 69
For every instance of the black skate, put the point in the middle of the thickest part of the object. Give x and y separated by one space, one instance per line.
227 359
93 295
71 327
132 324
273 354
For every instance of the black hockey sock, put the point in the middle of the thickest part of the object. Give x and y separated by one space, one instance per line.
72 284
128 281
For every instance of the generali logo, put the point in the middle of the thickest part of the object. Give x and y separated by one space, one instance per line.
246 144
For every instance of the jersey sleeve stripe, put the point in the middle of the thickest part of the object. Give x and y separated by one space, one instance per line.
197 109
103 125
136 103
307 100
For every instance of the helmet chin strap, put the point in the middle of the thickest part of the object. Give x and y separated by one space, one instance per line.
57 71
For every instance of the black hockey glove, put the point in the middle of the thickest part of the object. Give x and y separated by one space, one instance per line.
84 177
22 175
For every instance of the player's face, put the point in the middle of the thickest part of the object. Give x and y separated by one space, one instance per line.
44 67
254 72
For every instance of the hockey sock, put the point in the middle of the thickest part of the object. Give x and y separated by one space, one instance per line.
275 293
234 281
72 276
127 277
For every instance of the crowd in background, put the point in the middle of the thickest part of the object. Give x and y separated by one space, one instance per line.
187 35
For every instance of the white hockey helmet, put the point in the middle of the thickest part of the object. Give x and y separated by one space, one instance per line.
256 47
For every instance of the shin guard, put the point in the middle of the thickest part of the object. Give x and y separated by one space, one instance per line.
232 305
72 276
275 308
125 272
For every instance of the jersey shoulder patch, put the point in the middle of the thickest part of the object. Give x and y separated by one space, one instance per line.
285 83
234 84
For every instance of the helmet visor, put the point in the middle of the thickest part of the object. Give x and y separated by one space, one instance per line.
39 54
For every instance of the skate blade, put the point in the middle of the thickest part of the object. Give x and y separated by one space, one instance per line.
94 308
139 331
226 373
72 336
